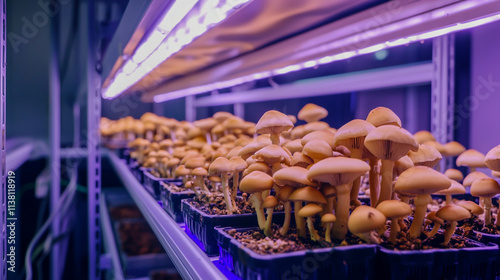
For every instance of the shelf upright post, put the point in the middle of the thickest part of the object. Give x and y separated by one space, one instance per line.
3 260
443 91
190 109
55 142
93 140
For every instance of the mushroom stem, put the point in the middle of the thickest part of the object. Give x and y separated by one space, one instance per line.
256 200
339 228
386 185
225 191
312 231
267 227
421 202
330 200
200 182
374 181
236 180
327 232
299 221
394 229
487 211
355 153
434 230
449 232
448 199
288 214
209 137
275 139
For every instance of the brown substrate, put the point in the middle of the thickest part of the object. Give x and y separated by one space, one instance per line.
425 243
476 224
176 189
138 239
214 204
125 212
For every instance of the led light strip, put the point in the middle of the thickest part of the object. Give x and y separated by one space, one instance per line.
185 21
325 60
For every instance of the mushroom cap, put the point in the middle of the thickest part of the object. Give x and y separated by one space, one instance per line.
439 147
166 143
195 162
402 164
390 142
220 165
495 174
298 132
454 174
260 166
471 158
485 187
317 149
307 194
285 192
272 154
394 208
181 170
189 185
238 164
325 135
299 159
243 140
270 202
471 206
256 181
173 162
420 180
234 122
328 218
273 122
423 136
425 155
453 149
452 212
455 188
473 176
492 159
234 152
205 124
199 171
337 171
352 134
309 210
252 147
294 146
219 128
312 113
315 126
222 116
364 219
293 176
435 219
383 116
162 153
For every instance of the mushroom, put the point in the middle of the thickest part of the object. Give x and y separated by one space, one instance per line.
273 156
308 212
471 206
223 167
472 159
451 213
214 182
305 194
312 113
473 176
455 188
423 136
324 134
182 172
339 172
269 203
206 125
454 174
352 136
425 156
394 209
191 186
256 166
383 116
438 223
273 123
389 143
421 181
255 183
485 188
294 146
317 150
284 196
492 159
295 177
199 174
328 219
238 165
364 220
452 149
299 159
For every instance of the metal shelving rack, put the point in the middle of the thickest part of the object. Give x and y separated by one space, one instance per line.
3 261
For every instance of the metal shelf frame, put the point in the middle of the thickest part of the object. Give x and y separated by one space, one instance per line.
190 261
3 106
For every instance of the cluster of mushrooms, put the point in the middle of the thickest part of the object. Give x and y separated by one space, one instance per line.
316 169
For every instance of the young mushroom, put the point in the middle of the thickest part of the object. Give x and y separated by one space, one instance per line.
199 175
255 183
451 213
383 116
339 172
238 165
308 195
223 167
472 159
273 123
438 223
312 113
328 219
308 212
454 174
394 209
269 204
455 188
284 196
364 220
421 181
485 188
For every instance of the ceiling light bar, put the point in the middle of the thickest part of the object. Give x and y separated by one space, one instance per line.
180 25
329 59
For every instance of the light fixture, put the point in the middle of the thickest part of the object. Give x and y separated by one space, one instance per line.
180 25
331 58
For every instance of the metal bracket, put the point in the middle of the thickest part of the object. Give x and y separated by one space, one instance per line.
443 91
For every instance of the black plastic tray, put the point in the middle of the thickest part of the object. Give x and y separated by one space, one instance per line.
152 183
172 201
340 262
